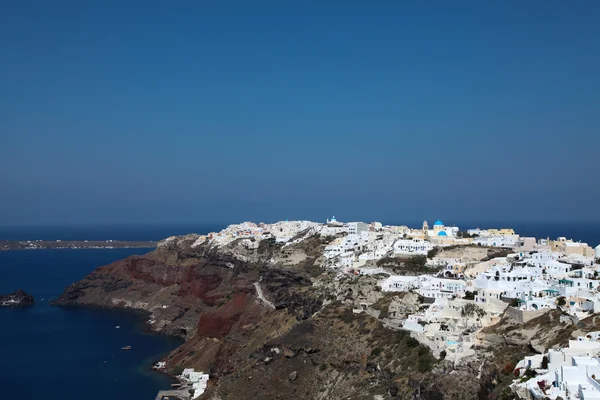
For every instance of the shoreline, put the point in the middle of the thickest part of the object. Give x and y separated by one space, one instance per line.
141 324
45 274
80 248
7 245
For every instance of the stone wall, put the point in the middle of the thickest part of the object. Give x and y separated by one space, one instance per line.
523 316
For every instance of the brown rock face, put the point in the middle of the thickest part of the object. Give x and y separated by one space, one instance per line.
176 291
219 322
198 285
205 295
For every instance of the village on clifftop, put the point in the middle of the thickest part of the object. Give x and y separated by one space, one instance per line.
525 277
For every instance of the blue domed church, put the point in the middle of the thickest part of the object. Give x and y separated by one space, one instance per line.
439 230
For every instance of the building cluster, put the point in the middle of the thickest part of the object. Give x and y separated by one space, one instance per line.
252 234
198 381
370 242
528 281
568 373
357 242
464 294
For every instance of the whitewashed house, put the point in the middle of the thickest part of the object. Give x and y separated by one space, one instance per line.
498 241
412 246
397 283
441 287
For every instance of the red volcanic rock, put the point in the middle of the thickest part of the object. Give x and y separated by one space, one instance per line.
198 286
218 323
143 268
147 269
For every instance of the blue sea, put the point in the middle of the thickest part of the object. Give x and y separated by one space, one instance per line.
106 232
50 352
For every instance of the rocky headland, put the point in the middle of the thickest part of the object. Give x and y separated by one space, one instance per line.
266 320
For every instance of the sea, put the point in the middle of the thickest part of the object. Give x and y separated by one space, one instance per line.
73 353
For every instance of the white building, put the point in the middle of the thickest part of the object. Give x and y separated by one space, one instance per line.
497 241
412 246
555 268
503 279
441 287
572 373
570 286
397 283
412 323
355 228
439 230
375 254
199 381
541 258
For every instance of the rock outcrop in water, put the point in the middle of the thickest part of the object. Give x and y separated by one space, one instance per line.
311 344
17 298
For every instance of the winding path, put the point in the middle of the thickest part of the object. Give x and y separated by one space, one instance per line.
261 296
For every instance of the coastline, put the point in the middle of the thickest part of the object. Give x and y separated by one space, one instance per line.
83 337
141 325
8 245
141 316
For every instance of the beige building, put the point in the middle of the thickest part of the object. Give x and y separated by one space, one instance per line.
568 247
501 232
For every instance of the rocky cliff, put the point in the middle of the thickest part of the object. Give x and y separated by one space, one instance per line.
302 338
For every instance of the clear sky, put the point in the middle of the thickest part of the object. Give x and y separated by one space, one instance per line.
221 111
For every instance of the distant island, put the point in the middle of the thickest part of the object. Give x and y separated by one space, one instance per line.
17 298
73 244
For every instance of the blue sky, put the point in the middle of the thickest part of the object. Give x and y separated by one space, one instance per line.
173 112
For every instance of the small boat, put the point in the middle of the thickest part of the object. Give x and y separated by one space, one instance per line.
117 327
126 348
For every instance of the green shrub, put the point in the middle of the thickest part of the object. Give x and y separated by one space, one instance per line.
433 252
384 311
347 316
545 362
400 335
425 362
529 373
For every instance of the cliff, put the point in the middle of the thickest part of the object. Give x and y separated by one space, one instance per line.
302 339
